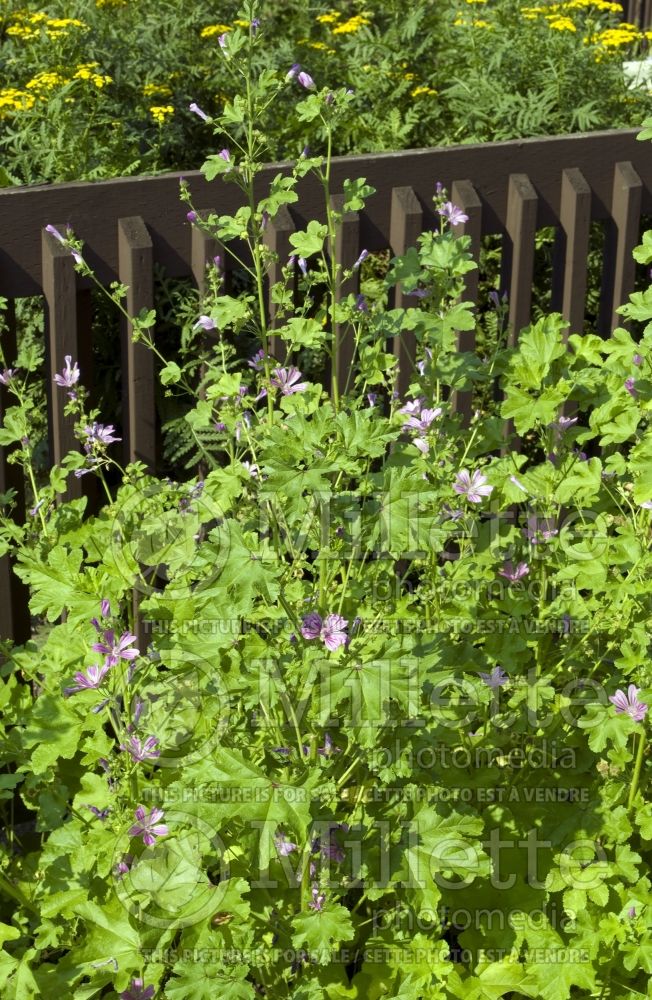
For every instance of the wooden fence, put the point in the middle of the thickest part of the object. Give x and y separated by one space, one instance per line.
509 189
637 12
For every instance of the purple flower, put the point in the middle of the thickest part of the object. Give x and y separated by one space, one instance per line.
329 98
99 434
562 424
284 846
372 398
628 704
361 303
473 486
142 751
90 680
123 866
423 420
148 827
647 505
514 574
306 80
257 361
285 379
223 40
637 360
116 651
70 374
418 293
99 813
495 679
217 260
105 608
363 256
255 25
332 629
318 899
55 232
7 375
219 425
205 322
629 385
328 747
225 155
34 510
137 991
292 72
191 216
631 913
292 260
198 111
454 215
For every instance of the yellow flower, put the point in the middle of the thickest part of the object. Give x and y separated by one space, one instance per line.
423 92
329 18
562 24
213 29
15 100
156 90
409 76
239 23
45 81
160 112
110 3
352 25
476 1
59 26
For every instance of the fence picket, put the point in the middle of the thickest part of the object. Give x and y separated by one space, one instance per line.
570 256
277 239
465 196
14 614
62 338
347 251
135 256
406 224
518 252
622 236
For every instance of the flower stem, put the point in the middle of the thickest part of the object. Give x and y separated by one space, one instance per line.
637 769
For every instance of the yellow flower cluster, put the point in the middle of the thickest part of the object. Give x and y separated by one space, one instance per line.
85 72
319 46
561 9
15 100
460 22
329 18
562 24
213 29
29 26
423 92
110 3
160 112
352 25
616 38
45 81
156 90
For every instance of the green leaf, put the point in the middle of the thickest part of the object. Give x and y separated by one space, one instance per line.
208 981
355 194
311 241
320 931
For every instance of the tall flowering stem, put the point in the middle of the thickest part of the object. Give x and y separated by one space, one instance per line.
638 764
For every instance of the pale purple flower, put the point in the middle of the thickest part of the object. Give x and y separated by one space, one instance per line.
292 260
219 426
255 25
292 72
223 40
91 680
418 293
631 913
473 486
34 510
647 505
628 704
225 155
422 445
141 751
284 846
257 361
285 379
363 256
629 385
318 899
57 235
517 482
123 866
69 375
306 80
424 419
196 110
205 322
303 266
99 813
454 215
116 650
217 260
562 424
495 679
328 747
7 375
331 630
105 608
252 469
372 398
191 216
413 406
138 991
148 827
329 98
361 303
99 434
513 574
637 360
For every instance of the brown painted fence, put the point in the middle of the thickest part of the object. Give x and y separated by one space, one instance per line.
509 189
637 12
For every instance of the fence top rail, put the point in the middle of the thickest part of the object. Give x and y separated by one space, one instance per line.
92 208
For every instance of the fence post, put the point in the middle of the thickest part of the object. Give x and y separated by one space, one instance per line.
406 224
135 257
571 251
622 236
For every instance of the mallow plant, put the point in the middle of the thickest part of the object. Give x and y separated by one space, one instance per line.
362 711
